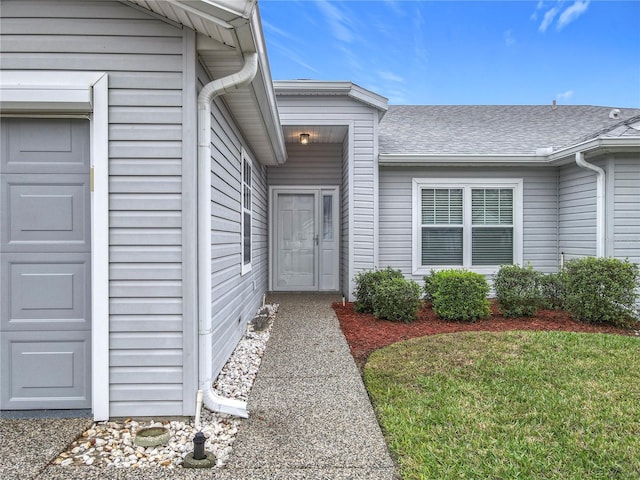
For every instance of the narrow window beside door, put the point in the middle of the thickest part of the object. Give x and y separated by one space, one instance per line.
247 212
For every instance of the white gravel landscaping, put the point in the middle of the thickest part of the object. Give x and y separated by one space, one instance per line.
112 443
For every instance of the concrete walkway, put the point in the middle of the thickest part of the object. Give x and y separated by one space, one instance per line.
310 416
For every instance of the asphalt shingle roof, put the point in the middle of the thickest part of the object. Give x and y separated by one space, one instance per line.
495 129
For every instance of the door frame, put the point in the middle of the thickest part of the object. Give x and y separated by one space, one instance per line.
274 190
30 94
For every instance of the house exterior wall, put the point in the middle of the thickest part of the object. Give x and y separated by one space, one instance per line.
152 70
539 212
626 207
314 164
143 57
330 110
234 297
577 211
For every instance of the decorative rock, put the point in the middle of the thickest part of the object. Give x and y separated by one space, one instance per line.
114 443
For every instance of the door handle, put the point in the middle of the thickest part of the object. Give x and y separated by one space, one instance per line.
316 238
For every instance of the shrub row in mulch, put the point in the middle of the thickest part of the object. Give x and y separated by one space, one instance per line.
365 333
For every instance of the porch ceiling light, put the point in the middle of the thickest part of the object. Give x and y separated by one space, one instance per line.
304 138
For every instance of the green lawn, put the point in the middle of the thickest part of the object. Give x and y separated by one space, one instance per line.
535 405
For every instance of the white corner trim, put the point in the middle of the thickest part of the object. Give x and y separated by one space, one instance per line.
351 171
100 250
518 218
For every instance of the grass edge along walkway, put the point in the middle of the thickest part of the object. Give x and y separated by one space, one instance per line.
510 405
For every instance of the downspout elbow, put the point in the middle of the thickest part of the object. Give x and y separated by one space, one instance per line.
211 90
600 186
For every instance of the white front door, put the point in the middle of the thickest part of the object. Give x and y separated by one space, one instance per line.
305 239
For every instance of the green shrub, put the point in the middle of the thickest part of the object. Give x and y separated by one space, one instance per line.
458 294
429 286
396 299
552 287
602 290
366 283
518 290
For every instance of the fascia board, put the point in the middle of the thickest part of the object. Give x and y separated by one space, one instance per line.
316 88
566 155
387 160
595 146
266 92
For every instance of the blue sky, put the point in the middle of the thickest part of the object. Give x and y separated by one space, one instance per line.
578 52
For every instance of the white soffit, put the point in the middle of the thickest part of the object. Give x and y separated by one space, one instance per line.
317 133
226 30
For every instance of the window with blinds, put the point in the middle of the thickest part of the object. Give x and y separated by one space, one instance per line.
492 226
442 226
466 225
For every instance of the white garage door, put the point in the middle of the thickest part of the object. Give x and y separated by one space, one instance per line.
45 247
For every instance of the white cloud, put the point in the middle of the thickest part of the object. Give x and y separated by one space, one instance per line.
390 76
548 18
278 31
572 12
339 22
534 15
419 49
292 56
568 15
509 39
564 96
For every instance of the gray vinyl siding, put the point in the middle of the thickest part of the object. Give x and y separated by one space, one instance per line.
539 212
234 297
626 218
345 111
314 164
577 212
143 57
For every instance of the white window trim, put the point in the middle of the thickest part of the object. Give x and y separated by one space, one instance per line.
419 183
62 93
245 267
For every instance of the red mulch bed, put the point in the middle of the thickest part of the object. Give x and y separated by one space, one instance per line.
365 333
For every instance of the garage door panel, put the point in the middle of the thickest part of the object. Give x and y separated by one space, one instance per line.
46 292
49 373
45 262
46 213
45 145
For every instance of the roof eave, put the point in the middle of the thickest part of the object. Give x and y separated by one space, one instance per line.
485 160
345 88
235 24
590 148
596 146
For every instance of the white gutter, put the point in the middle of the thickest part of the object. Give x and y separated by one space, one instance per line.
600 220
211 90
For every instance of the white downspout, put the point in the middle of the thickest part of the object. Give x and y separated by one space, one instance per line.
600 220
211 90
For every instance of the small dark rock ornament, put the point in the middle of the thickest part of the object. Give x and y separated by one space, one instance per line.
199 458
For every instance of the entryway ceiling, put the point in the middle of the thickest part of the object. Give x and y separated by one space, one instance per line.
317 133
